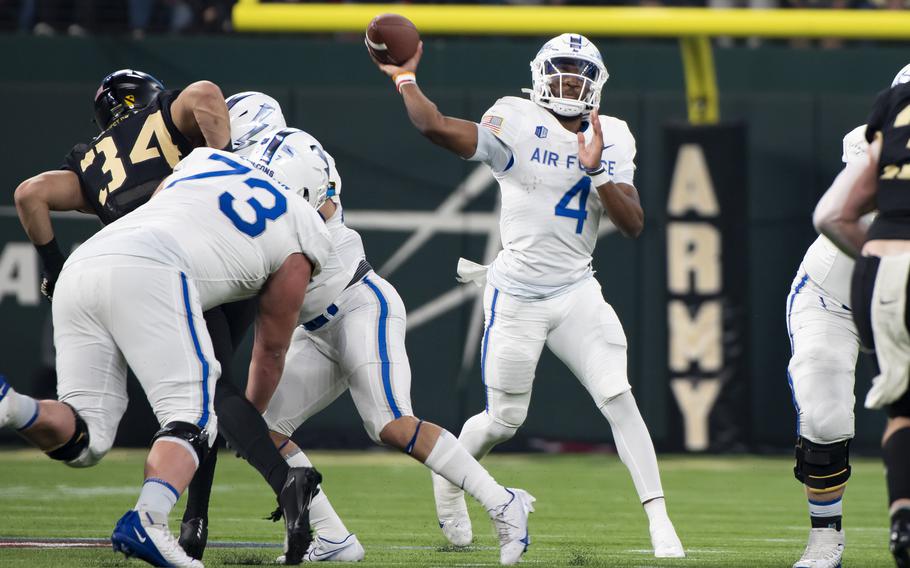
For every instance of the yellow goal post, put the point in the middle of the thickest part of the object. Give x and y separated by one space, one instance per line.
693 26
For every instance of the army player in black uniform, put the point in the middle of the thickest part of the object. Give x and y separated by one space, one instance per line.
880 290
146 130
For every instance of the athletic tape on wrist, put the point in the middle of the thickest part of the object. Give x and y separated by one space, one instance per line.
405 78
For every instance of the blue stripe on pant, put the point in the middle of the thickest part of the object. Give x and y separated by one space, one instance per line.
483 356
204 419
792 298
383 347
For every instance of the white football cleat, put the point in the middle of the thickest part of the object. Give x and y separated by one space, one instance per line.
452 512
146 535
6 402
511 523
321 550
825 549
664 540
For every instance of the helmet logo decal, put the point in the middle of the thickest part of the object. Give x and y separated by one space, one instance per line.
264 111
130 100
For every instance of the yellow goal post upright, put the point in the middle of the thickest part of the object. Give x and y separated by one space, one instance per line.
692 26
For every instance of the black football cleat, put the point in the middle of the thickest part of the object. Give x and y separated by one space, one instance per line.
900 540
194 534
294 505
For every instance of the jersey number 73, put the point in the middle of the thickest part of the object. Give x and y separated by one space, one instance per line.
226 200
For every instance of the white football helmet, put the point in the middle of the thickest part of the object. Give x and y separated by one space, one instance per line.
903 76
254 116
567 76
289 157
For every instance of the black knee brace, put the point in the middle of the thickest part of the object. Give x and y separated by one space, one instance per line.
190 433
822 467
76 445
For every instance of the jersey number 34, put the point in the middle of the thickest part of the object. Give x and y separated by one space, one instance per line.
143 150
583 187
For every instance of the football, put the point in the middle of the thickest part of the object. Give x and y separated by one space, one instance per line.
392 39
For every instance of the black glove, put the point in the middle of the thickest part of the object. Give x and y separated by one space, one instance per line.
52 258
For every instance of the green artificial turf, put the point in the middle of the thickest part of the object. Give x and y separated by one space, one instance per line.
729 511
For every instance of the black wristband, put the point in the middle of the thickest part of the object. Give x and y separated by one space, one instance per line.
598 170
51 257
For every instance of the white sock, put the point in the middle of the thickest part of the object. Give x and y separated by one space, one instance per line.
23 408
656 509
157 496
323 518
481 433
450 460
633 443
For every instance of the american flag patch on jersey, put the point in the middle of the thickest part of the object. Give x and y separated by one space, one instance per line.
494 123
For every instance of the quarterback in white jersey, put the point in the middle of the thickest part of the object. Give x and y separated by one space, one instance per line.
218 230
549 154
825 345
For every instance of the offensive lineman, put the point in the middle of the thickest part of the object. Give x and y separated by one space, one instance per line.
880 287
356 343
218 231
548 157
146 130
821 372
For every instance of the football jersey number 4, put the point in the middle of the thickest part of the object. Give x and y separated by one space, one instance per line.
582 189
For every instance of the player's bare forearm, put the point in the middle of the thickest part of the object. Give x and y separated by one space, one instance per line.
266 367
201 114
454 134
623 207
36 197
849 236
279 306
844 227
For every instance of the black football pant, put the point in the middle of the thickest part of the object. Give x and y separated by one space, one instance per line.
239 423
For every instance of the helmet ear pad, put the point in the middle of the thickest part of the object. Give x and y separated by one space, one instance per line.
122 92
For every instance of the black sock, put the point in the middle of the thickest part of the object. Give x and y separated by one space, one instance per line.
200 489
896 455
247 433
826 522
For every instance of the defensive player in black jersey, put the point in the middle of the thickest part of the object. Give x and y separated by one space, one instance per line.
145 131
880 289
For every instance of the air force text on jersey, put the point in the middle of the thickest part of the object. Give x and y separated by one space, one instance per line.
550 158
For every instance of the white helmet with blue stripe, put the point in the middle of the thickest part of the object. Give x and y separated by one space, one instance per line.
254 116
568 74
289 157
